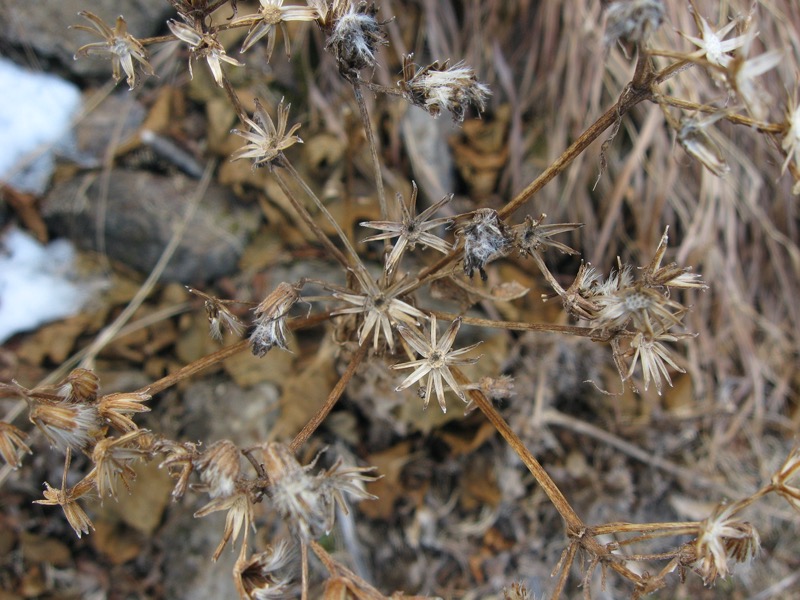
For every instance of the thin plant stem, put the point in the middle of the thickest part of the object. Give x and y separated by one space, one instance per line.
589 332
205 362
576 529
332 399
304 569
553 417
354 583
563 566
111 331
737 119
357 264
309 221
193 368
234 99
373 148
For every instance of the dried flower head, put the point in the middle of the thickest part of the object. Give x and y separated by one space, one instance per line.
239 517
654 357
307 501
260 577
670 275
219 467
67 425
517 591
117 44
219 315
412 229
712 45
340 478
632 20
437 358
115 409
697 142
67 499
179 461
296 493
354 35
266 142
113 458
203 44
577 298
789 471
441 87
486 238
722 538
272 13
381 306
271 317
11 444
532 238
648 310
619 279
80 386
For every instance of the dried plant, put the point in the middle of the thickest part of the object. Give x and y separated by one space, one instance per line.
642 316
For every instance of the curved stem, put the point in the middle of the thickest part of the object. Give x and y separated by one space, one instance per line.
576 528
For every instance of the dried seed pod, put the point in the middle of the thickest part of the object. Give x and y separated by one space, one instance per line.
486 238
219 467
271 316
67 425
441 87
80 385
115 409
12 440
354 35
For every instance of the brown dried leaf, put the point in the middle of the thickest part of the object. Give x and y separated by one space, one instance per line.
36 549
55 341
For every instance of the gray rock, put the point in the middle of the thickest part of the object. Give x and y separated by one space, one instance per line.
44 26
115 120
137 217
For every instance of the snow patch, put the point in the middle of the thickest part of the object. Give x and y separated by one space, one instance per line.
36 111
36 283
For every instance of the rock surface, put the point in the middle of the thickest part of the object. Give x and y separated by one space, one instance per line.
141 211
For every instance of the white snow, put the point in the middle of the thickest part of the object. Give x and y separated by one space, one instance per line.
36 110
36 286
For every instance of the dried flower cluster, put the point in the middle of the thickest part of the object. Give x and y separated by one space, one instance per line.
441 87
377 315
640 311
